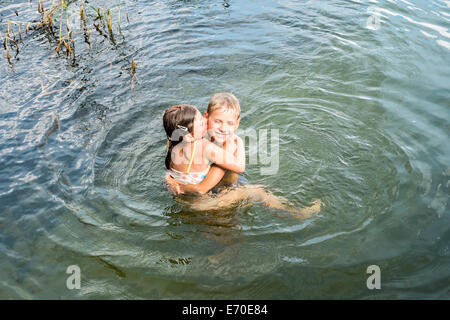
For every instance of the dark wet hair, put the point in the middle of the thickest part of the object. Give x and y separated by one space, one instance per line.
178 121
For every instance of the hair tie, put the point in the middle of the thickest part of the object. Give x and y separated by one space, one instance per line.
182 128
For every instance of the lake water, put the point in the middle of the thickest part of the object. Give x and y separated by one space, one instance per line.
358 91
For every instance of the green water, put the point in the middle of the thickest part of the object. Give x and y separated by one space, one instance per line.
362 109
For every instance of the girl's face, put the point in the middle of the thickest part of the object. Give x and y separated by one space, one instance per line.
199 126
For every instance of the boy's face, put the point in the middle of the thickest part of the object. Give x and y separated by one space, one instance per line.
222 124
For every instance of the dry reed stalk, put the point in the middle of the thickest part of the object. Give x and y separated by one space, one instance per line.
47 22
101 16
5 44
60 25
88 32
108 15
68 51
82 11
11 29
44 17
118 19
7 55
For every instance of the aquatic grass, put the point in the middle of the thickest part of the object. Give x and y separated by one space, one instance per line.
47 24
87 33
108 16
8 57
118 17
127 13
60 28
40 6
133 74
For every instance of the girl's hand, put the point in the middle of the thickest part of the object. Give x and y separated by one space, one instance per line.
173 186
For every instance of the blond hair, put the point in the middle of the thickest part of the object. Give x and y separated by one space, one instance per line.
226 101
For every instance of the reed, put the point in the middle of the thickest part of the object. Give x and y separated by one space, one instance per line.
19 30
82 11
118 17
108 16
40 6
8 57
87 33
60 26
133 74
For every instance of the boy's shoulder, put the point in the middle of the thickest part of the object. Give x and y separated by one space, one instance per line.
234 143
239 141
236 139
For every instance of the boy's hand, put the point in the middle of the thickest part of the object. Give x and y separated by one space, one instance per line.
173 185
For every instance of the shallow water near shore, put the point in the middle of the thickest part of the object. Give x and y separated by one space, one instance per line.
362 111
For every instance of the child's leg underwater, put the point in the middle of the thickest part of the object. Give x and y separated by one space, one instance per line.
253 193
259 194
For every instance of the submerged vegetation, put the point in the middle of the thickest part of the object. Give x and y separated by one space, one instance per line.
54 22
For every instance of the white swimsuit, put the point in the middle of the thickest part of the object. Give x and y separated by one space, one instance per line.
189 177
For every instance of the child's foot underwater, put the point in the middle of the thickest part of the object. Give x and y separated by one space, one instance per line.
307 212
